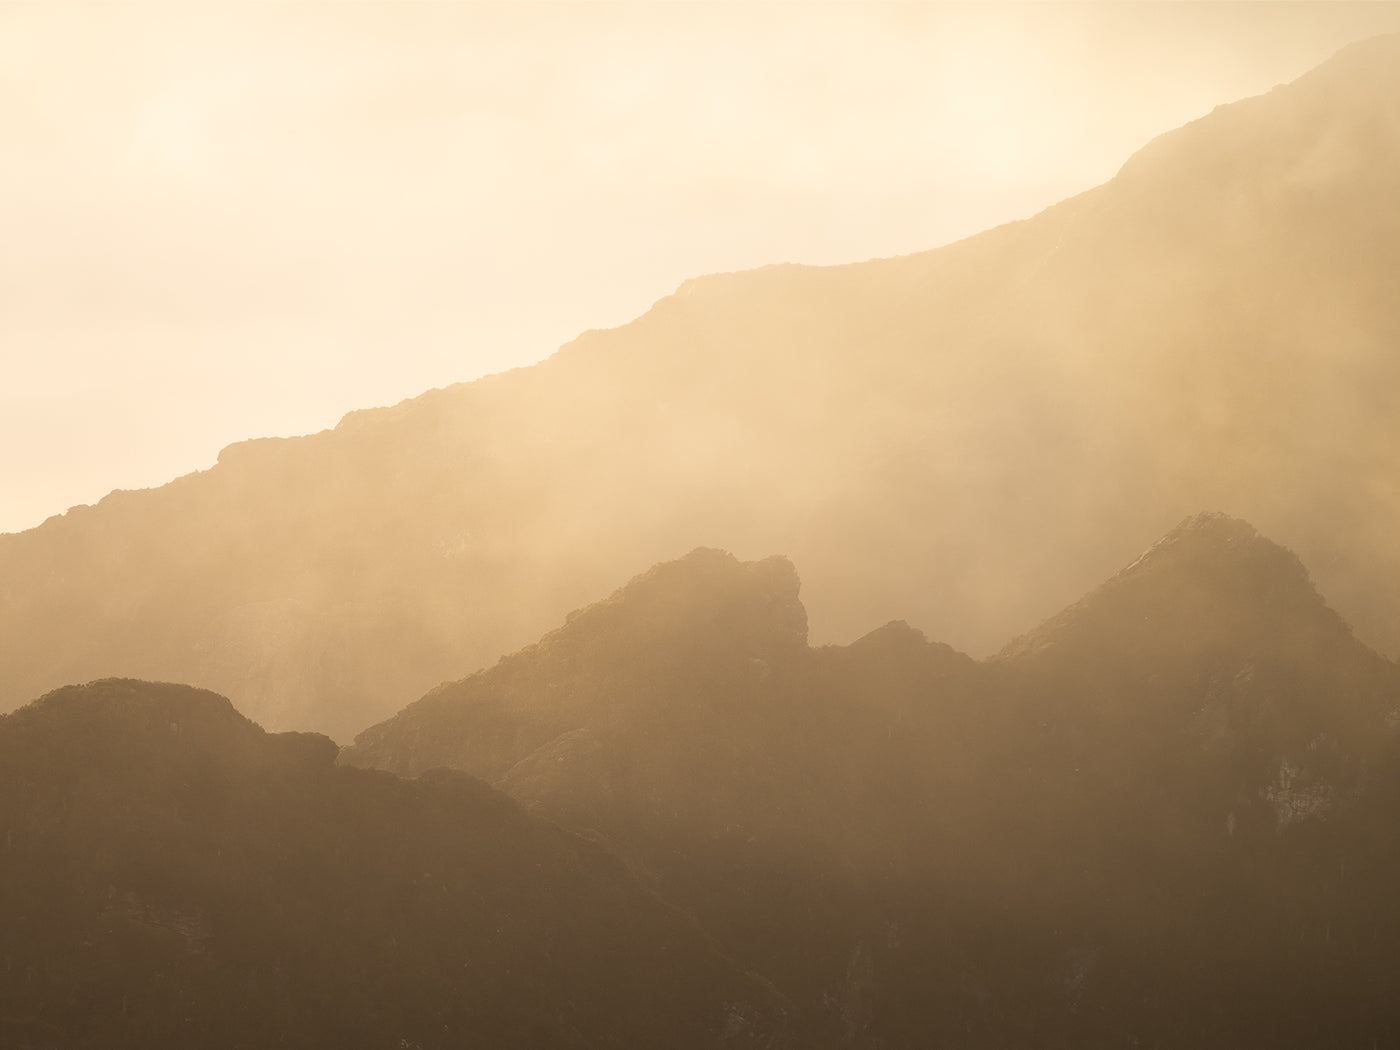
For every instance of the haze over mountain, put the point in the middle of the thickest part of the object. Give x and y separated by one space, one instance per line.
1162 818
964 439
227 219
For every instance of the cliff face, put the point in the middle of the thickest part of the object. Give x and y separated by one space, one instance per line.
964 439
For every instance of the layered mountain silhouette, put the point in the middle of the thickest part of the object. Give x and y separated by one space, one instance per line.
1163 818
174 876
965 439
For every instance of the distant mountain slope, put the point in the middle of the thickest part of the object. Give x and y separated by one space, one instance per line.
173 876
965 439
1165 817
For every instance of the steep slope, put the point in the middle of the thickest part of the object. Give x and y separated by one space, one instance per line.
690 691
685 723
1206 768
964 439
1212 669
1164 815
173 876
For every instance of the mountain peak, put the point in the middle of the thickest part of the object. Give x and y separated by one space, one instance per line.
1213 535
705 589
140 706
1211 577
706 615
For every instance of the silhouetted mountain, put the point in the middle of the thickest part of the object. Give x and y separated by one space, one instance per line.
685 723
1160 817
1209 671
691 690
173 876
965 439
1203 778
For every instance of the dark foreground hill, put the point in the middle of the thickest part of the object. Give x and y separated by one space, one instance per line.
172 876
1164 818
965 439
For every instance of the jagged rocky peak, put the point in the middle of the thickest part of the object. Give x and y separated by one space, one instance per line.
706 614
1211 577
754 604
1227 550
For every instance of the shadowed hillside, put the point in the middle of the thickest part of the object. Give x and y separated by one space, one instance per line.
965 439
173 876
1163 818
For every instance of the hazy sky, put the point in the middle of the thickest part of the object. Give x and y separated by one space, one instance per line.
227 221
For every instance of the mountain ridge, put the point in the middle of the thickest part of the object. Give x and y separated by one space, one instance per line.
1082 837
860 845
965 439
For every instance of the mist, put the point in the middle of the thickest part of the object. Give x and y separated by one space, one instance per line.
849 527
234 221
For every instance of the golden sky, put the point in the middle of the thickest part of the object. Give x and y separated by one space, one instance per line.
235 220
